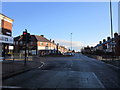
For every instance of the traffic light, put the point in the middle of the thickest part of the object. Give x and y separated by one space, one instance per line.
26 36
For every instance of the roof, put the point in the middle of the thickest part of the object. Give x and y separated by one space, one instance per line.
34 37
104 43
42 38
6 17
17 38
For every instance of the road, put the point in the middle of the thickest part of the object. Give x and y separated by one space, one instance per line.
78 71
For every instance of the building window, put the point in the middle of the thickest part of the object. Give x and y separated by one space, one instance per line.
31 43
47 44
41 43
46 48
20 42
16 42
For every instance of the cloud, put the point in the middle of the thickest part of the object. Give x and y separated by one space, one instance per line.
76 45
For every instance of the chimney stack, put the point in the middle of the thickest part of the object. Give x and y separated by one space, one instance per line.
100 42
42 35
53 41
115 35
104 40
108 38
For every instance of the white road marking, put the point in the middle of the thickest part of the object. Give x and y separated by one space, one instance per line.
42 65
102 86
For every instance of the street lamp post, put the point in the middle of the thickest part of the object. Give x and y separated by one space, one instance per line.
119 17
111 27
111 19
71 41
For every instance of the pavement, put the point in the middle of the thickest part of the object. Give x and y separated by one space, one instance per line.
115 62
11 68
77 72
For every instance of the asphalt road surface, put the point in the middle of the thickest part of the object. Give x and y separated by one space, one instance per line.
78 71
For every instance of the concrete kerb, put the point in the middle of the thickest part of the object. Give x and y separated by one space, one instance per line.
112 66
21 71
15 73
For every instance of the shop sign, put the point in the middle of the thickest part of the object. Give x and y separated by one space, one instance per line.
6 39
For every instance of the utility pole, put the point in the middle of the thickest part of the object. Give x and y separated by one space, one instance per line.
50 46
71 42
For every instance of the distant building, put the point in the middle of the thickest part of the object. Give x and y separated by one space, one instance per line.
62 49
110 46
39 45
86 50
6 38
19 46
117 45
45 46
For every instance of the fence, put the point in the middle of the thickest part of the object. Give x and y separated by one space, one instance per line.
15 63
18 56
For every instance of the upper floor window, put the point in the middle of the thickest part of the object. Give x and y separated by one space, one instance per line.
41 43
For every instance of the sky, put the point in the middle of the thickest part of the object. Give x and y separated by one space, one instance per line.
89 22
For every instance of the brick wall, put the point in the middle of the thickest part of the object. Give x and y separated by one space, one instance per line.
6 25
117 47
